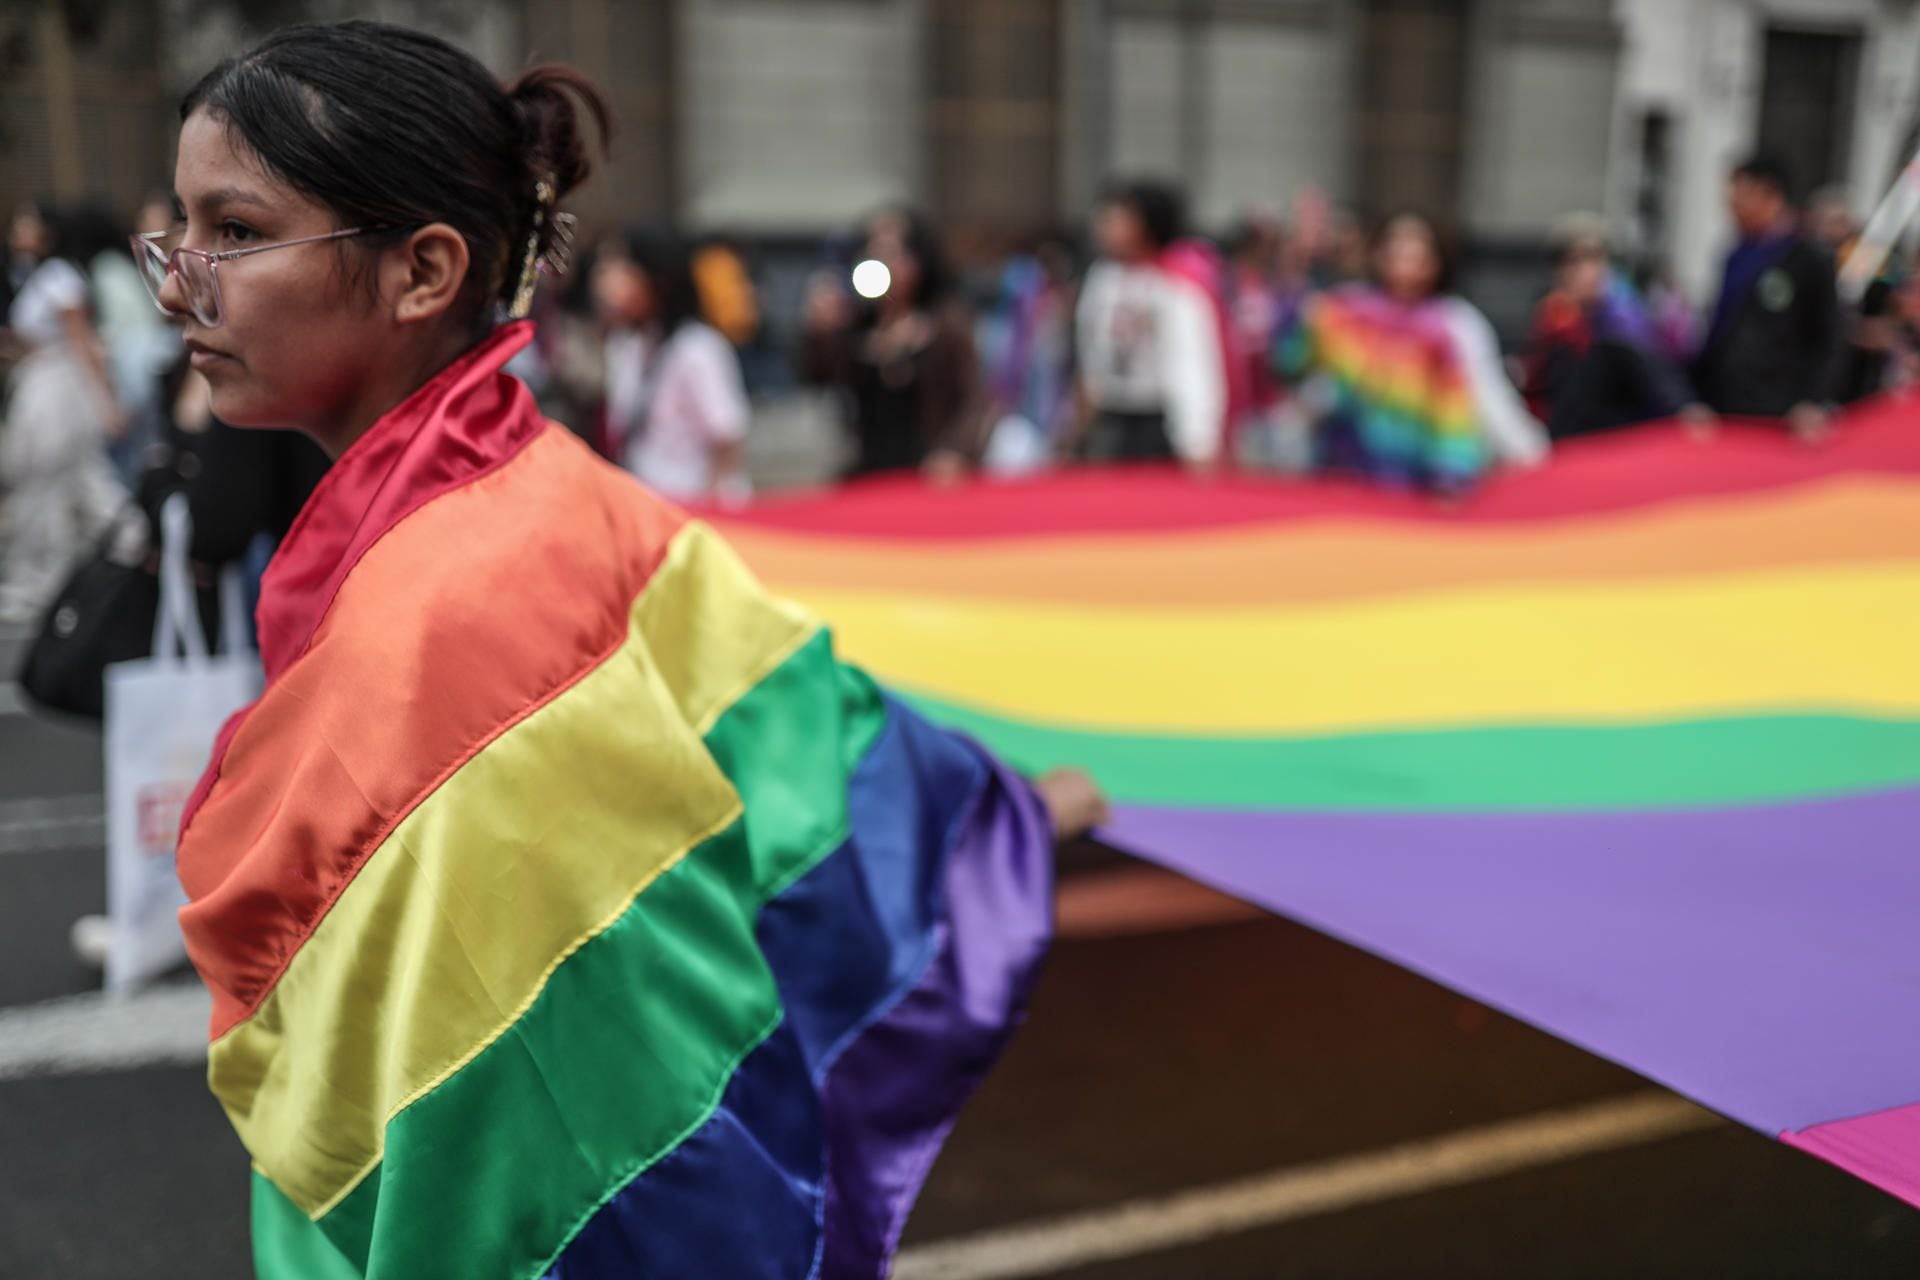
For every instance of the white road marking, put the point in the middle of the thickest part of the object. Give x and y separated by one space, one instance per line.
1144 1226
53 822
13 700
164 1026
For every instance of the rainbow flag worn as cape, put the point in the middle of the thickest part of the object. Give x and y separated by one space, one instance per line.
1628 746
568 909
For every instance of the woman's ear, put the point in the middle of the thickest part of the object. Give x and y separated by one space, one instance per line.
425 273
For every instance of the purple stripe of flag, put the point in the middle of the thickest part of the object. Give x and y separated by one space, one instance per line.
1762 960
892 1096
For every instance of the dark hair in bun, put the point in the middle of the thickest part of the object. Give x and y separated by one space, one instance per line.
394 128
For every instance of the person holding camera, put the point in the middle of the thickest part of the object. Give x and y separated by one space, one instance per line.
900 349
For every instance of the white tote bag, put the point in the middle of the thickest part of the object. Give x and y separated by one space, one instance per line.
162 716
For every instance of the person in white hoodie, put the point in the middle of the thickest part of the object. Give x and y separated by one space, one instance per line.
1153 379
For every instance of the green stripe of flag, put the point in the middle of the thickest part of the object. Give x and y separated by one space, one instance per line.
1695 763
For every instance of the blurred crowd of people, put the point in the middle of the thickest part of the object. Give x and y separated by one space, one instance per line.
1302 343
1298 343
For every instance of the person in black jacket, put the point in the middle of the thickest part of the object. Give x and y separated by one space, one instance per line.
241 484
1594 360
1774 339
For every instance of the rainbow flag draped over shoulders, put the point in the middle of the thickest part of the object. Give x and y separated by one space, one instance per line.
1628 746
569 910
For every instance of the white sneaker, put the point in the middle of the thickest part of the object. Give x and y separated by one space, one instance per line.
90 936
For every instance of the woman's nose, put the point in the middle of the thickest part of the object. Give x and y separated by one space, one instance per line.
173 292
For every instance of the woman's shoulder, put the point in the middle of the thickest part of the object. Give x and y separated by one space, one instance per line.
58 280
1463 318
700 351
696 339
555 526
1807 255
58 270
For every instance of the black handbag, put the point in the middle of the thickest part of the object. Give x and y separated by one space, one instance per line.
104 613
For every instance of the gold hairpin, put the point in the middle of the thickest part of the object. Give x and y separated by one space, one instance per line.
559 255
543 197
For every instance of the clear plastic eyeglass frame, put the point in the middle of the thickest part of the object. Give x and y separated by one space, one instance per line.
199 270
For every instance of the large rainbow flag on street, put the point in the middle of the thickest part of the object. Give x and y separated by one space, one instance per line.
568 909
1628 746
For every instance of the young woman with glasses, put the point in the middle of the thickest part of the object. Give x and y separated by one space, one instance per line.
567 908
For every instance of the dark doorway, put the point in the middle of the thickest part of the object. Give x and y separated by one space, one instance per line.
993 122
1806 103
1412 97
1653 193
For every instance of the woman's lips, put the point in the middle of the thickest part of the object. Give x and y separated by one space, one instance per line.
200 356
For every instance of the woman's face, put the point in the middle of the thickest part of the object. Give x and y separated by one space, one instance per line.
28 233
298 334
1583 276
1259 250
622 293
1119 232
1756 206
1409 260
887 243
1347 242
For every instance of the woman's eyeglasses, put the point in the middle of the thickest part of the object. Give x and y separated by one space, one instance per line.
199 271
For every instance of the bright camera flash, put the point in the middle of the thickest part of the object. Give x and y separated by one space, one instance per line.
871 279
